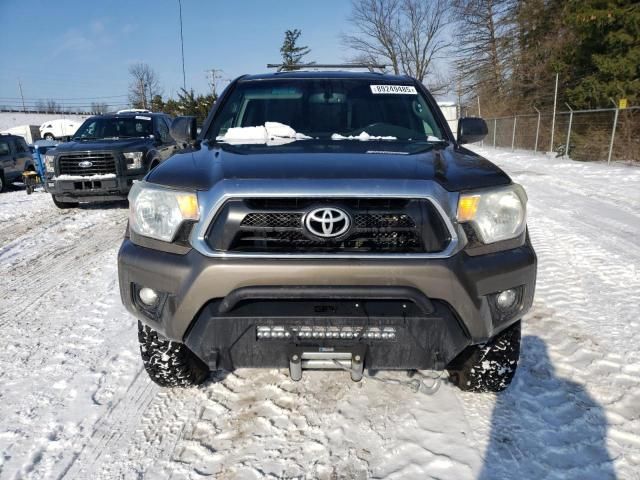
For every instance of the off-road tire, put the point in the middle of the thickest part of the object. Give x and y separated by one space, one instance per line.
64 205
489 367
169 364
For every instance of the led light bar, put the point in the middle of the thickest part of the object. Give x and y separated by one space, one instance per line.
346 332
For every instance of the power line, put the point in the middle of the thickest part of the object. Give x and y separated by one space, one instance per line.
65 99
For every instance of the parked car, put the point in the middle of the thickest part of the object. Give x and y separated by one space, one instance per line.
15 158
59 129
106 155
328 220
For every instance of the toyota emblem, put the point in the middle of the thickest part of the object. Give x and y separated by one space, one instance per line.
85 164
327 222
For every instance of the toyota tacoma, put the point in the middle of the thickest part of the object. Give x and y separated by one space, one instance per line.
328 220
106 155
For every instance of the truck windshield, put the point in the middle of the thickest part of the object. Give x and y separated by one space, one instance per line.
115 127
332 109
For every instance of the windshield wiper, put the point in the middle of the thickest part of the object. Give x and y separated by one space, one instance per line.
432 140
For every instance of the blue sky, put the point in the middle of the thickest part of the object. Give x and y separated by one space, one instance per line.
71 49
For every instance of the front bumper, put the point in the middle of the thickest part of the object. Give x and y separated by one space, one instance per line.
91 189
460 289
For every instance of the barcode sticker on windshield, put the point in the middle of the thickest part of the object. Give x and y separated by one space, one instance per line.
396 89
138 117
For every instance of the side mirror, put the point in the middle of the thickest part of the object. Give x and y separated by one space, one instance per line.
471 129
184 129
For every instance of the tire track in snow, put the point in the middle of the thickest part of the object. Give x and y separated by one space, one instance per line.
113 429
44 261
577 390
257 423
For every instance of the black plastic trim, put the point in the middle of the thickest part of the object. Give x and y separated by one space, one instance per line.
326 293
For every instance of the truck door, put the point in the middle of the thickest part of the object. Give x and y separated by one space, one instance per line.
7 159
22 156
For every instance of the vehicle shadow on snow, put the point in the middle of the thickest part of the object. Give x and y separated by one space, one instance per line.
546 426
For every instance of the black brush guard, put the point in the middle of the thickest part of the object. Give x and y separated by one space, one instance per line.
426 333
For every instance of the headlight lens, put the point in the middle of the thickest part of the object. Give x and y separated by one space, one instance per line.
158 212
497 214
49 163
134 159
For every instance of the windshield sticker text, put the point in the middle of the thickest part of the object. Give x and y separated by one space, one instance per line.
395 89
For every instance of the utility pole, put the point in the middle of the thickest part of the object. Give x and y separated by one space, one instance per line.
214 75
553 122
22 96
184 77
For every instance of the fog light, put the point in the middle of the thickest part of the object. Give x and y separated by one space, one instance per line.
507 299
148 296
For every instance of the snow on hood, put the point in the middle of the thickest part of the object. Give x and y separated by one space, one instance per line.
363 137
271 133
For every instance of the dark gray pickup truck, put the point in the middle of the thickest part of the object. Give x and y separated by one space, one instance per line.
106 155
328 220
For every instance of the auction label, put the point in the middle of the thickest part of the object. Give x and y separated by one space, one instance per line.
397 89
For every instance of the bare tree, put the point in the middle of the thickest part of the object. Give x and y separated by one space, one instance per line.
52 106
407 34
376 25
486 48
99 107
144 85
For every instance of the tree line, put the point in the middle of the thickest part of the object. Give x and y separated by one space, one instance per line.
506 53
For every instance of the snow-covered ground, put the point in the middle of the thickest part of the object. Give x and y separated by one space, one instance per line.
75 402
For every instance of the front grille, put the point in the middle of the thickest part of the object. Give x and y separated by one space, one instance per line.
294 220
102 164
272 220
378 226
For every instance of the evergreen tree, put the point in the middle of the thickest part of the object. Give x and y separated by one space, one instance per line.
188 103
291 53
605 59
157 104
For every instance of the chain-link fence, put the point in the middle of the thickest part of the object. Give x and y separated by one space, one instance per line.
605 134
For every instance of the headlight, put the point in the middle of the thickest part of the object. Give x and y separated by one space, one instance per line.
158 212
50 163
496 214
134 159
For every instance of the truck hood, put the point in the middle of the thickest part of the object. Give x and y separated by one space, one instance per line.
453 167
105 145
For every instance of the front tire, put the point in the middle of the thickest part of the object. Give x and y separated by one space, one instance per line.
48 136
489 367
64 205
169 364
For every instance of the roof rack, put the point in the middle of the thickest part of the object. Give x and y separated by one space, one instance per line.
300 66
